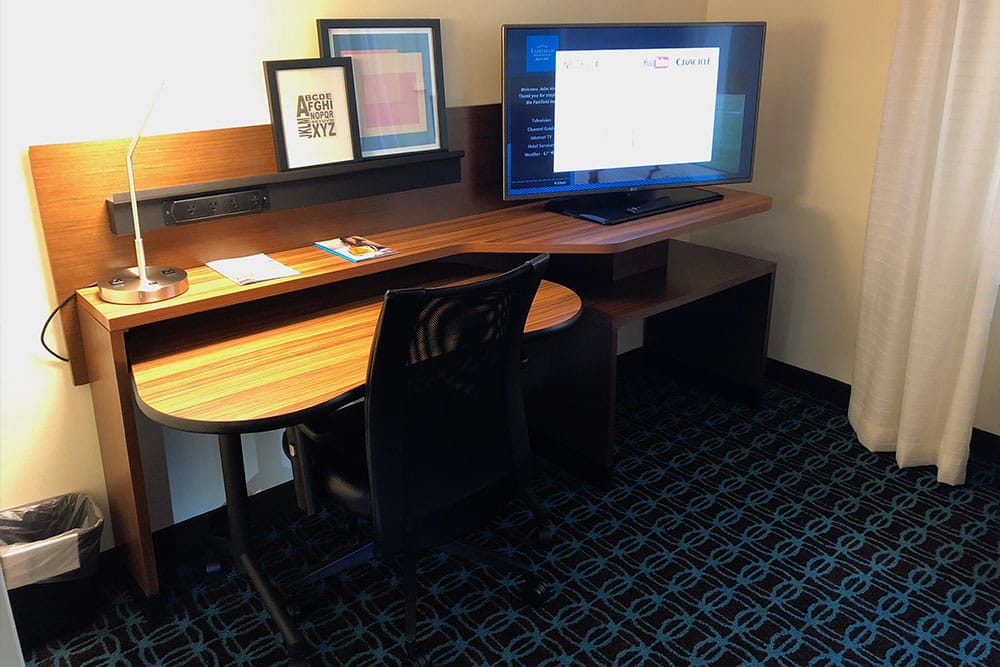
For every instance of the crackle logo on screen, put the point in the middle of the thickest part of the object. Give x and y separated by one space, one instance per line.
693 62
663 62
315 117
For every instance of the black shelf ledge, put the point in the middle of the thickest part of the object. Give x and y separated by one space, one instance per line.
200 202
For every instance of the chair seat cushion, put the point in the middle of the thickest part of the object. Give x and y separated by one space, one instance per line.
352 495
340 459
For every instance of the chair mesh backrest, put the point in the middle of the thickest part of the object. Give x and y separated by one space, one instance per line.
446 432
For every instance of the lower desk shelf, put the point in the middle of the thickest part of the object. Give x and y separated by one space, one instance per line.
707 310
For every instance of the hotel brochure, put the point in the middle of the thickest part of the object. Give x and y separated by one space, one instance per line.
355 248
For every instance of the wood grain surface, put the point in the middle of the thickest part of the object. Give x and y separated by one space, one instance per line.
72 182
255 374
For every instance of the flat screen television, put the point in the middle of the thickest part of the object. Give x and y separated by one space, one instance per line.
612 122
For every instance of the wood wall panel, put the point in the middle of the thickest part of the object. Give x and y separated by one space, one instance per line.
72 182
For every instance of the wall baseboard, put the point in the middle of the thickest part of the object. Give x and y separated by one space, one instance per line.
814 384
983 445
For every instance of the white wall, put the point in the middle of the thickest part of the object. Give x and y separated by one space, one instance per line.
78 71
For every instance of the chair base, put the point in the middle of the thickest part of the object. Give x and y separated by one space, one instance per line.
532 591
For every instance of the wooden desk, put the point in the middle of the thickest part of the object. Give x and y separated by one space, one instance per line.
245 374
573 418
620 272
258 375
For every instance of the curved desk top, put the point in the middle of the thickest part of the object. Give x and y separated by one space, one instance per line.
249 377
527 229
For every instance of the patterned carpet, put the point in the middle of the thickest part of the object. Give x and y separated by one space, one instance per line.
730 536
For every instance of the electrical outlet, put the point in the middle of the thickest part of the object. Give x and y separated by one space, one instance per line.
222 204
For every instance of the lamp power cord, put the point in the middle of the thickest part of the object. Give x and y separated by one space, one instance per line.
48 320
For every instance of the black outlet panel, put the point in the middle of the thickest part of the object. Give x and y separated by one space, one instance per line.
219 205
176 206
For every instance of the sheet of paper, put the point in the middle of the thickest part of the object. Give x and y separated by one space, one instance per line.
251 269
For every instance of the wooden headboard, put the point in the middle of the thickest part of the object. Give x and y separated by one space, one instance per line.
73 181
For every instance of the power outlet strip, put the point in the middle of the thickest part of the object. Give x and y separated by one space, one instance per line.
220 205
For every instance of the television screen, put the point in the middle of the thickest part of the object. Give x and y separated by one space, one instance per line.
617 121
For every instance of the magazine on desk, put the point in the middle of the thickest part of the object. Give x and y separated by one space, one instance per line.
355 248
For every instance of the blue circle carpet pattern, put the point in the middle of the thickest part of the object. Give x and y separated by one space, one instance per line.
730 535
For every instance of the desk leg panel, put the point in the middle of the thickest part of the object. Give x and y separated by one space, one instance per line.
569 392
114 410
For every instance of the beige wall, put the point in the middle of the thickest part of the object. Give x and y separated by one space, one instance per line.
826 66
75 71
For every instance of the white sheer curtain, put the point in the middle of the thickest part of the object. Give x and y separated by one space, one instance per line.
932 253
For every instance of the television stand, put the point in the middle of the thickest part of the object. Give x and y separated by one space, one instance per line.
616 207
704 316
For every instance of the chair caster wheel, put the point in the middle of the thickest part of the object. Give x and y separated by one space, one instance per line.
534 592
417 658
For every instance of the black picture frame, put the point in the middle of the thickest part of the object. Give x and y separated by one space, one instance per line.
313 109
399 81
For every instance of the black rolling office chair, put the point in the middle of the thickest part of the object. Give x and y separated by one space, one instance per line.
436 442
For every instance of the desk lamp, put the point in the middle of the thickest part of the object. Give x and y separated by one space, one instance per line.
142 283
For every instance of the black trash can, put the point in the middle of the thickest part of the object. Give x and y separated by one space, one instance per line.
50 552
